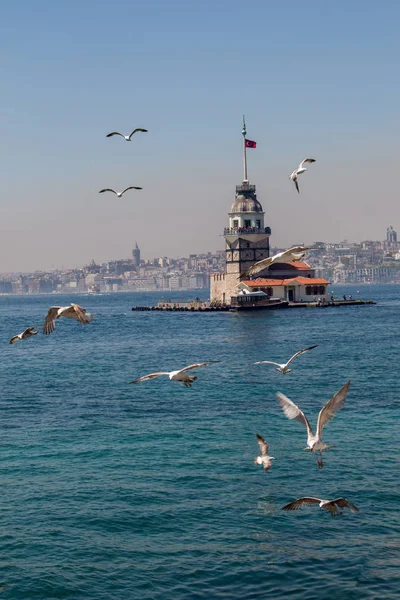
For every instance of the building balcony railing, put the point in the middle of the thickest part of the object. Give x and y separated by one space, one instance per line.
245 187
251 230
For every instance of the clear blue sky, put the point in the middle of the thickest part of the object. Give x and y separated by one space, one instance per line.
318 78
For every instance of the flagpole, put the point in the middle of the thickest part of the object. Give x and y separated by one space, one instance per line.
244 151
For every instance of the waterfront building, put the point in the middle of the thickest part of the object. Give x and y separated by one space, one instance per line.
246 237
247 240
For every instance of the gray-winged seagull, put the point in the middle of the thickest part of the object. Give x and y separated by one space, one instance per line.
180 375
74 311
300 169
127 137
283 368
264 459
314 442
29 332
293 254
329 505
120 194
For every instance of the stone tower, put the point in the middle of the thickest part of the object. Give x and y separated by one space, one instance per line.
246 237
136 255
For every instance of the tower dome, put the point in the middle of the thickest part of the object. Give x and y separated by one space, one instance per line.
246 204
246 211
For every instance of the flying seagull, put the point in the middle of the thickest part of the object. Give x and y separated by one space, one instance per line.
291 255
24 335
74 311
264 459
314 442
284 368
180 375
120 194
300 169
329 505
127 137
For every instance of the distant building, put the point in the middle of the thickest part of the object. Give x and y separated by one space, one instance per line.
391 235
136 255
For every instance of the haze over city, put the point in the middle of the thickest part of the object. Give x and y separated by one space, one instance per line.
321 84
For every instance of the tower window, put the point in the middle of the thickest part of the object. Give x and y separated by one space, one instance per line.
258 223
236 223
247 223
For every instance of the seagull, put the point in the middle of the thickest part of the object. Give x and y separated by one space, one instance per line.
120 194
126 137
284 368
329 505
264 459
74 311
300 169
293 254
314 442
178 375
24 335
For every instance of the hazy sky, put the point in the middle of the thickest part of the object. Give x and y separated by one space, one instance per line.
314 79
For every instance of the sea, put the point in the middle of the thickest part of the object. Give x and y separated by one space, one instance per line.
112 491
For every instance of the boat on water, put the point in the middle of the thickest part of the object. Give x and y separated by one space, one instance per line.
256 301
93 289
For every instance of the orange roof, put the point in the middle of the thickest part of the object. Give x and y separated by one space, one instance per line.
301 266
313 280
261 282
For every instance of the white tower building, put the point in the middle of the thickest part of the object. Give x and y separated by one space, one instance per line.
246 237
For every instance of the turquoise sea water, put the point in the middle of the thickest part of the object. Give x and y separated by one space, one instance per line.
149 491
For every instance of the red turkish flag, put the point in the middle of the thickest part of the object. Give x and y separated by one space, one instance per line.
250 144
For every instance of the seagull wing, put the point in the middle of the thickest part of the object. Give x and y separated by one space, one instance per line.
108 190
344 503
115 133
81 313
150 376
28 330
296 183
49 325
293 412
136 130
333 405
306 160
197 365
267 362
296 256
263 445
300 352
300 502
257 267
14 339
132 187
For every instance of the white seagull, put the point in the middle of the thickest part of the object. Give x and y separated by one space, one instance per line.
329 505
120 194
126 137
74 311
300 169
24 335
293 254
264 459
284 368
180 375
314 442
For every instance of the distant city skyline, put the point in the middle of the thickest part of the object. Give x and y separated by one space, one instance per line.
321 84
136 252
